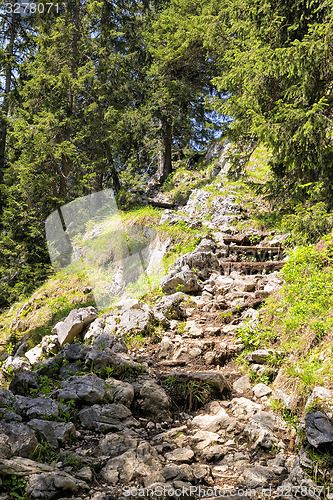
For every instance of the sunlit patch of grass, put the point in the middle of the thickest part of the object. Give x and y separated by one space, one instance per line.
299 321
32 319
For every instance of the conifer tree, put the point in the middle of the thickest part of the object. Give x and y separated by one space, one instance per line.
276 63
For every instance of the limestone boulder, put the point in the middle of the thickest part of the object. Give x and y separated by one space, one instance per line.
169 307
54 433
152 399
6 398
22 382
118 391
36 407
107 418
130 316
20 439
184 281
49 485
133 464
88 389
318 429
74 324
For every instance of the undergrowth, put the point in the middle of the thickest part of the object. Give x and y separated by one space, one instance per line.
298 321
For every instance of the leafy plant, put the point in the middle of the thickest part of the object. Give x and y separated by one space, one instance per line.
181 327
15 486
308 224
66 410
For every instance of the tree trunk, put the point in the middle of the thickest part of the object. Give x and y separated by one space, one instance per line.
114 174
164 155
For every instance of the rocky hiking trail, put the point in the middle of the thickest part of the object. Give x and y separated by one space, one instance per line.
174 418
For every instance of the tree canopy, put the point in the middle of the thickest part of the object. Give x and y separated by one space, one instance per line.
98 94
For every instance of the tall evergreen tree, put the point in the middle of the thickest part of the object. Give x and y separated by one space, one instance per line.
276 61
180 74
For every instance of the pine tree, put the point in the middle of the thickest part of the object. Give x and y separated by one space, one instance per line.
180 75
276 60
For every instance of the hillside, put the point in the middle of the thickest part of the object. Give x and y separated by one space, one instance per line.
215 384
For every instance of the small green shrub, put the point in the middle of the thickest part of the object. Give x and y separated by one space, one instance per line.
308 224
15 486
257 336
190 394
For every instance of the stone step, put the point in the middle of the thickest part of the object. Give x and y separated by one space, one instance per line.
253 267
254 249
241 239
250 303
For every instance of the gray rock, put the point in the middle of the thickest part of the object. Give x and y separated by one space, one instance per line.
50 344
297 479
201 262
206 437
261 390
185 281
210 357
165 347
6 398
213 423
22 382
64 431
119 362
44 431
181 472
74 352
213 453
49 485
242 384
259 356
118 391
107 418
36 407
96 328
75 322
85 474
201 473
113 342
5 448
51 367
10 416
260 429
169 307
132 464
21 439
257 476
287 399
14 365
34 355
69 370
152 400
318 429
216 149
54 433
180 455
318 393
131 316
113 445
87 389
20 466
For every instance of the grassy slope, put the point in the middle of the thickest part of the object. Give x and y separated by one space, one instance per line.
33 317
298 321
